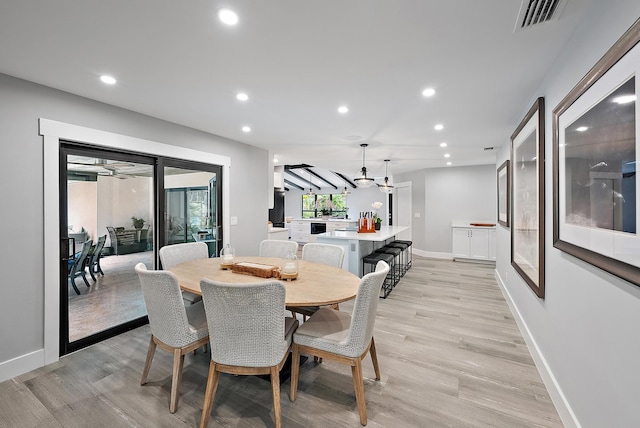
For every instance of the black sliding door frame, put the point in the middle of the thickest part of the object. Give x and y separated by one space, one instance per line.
158 163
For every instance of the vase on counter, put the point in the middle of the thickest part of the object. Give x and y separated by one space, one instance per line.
377 225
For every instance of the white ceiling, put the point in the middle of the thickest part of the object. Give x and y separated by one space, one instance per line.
298 60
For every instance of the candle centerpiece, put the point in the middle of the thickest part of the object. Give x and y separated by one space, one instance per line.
289 267
228 255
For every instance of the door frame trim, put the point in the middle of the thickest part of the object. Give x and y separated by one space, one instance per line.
409 185
52 132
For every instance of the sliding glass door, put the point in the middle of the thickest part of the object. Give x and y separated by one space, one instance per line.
117 210
191 199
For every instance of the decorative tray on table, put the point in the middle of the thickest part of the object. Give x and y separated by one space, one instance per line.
256 269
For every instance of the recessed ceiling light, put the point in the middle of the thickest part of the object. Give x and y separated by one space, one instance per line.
429 92
582 128
246 129
343 109
448 163
439 127
242 96
447 155
228 16
624 99
109 80
443 144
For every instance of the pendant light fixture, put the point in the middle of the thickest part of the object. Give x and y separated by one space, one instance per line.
345 191
361 179
386 187
310 193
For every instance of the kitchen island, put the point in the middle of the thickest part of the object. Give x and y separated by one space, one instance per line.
357 245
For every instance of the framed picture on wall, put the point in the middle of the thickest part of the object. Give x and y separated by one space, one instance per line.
503 193
596 146
527 202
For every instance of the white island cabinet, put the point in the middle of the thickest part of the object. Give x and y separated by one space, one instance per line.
358 245
474 241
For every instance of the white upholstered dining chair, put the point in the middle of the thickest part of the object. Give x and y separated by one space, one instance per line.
176 328
252 335
171 255
275 248
342 337
328 254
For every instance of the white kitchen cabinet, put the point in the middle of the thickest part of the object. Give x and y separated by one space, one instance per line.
300 230
474 243
492 244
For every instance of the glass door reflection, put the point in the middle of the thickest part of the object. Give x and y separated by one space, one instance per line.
191 207
108 210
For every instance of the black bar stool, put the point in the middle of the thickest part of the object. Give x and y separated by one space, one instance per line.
397 262
409 251
404 262
371 260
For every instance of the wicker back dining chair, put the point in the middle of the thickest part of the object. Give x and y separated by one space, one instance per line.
342 337
275 248
328 254
171 255
252 334
176 328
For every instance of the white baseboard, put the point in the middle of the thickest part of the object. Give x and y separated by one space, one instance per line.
431 254
22 364
565 412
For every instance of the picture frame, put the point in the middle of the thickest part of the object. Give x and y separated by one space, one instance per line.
596 146
527 198
504 189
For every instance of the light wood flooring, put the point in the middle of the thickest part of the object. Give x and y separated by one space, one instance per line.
450 355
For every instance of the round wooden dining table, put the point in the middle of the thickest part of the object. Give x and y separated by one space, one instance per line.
317 284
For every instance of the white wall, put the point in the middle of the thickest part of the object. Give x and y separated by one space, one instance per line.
586 328
22 291
83 200
443 195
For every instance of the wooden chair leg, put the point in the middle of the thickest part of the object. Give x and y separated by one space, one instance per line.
275 390
147 364
210 393
358 384
295 371
178 362
374 358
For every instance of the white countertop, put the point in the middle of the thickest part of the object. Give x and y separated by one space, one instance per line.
385 232
278 229
469 224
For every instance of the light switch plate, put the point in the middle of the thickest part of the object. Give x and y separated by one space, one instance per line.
416 215
233 220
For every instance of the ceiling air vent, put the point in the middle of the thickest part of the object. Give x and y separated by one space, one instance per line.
486 149
533 12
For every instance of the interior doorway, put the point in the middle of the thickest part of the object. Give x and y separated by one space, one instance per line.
403 208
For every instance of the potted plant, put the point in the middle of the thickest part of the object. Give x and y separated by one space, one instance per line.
137 222
377 219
